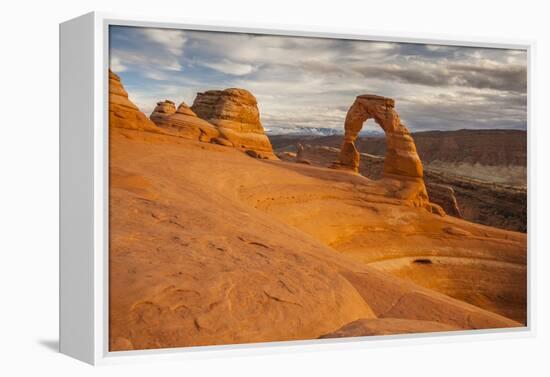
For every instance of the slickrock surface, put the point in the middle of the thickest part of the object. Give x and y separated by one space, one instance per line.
235 112
489 195
458 277
216 247
388 326
122 112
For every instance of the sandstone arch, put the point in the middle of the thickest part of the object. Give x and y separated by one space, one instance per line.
402 175
401 157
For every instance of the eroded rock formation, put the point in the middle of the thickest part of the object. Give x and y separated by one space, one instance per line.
162 111
300 155
235 113
444 195
123 113
183 122
401 156
401 161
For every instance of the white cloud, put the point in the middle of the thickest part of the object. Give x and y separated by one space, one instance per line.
150 65
116 65
172 40
313 81
230 68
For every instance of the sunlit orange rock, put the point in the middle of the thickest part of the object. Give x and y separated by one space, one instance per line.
183 122
401 161
123 113
209 246
235 113
162 111
401 156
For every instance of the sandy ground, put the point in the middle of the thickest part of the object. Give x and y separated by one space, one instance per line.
211 246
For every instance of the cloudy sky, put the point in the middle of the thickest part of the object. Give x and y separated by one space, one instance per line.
311 82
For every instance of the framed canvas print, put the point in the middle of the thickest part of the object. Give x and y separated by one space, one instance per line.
235 189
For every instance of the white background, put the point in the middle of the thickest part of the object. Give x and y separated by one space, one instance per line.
29 183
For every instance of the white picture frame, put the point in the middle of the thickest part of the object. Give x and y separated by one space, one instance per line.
84 221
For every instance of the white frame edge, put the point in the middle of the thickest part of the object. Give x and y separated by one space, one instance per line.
84 220
76 179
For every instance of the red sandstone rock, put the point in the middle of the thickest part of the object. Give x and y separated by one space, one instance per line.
298 252
444 195
401 161
123 113
236 115
401 156
183 122
222 141
162 111
388 326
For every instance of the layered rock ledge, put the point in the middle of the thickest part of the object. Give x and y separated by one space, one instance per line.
183 122
235 113
162 111
123 113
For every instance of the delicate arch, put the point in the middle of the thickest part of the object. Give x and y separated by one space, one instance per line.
401 156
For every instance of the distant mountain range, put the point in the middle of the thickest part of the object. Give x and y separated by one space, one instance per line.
315 131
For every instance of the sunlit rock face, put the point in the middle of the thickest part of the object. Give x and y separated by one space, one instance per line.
401 156
123 113
162 111
401 161
235 112
183 122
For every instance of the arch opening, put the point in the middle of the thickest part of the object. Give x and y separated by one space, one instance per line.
371 145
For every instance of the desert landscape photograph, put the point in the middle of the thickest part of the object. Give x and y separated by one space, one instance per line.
267 188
